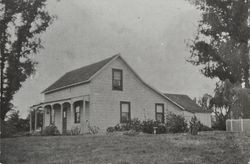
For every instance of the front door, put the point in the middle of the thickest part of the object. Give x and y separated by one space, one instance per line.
64 124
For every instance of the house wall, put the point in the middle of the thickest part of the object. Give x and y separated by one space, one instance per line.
105 102
205 118
71 92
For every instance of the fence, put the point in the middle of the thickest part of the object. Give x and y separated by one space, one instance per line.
238 125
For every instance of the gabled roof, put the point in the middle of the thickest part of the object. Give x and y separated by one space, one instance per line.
186 102
78 76
85 74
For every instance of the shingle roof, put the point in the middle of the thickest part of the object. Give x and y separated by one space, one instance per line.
186 102
79 75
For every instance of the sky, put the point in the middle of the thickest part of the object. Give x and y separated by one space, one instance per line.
150 35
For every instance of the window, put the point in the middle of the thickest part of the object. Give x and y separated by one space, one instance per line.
117 79
125 111
77 113
159 112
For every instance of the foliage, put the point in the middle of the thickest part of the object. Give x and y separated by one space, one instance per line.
14 125
110 129
241 104
7 130
176 123
93 129
221 44
50 130
229 98
136 125
194 125
204 102
21 23
219 124
75 130
149 125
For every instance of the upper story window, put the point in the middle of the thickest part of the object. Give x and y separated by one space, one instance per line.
117 83
159 112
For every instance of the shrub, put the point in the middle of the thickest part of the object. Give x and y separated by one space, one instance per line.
148 127
7 129
219 124
93 129
176 123
134 124
110 129
75 130
50 130
118 127
194 125
14 125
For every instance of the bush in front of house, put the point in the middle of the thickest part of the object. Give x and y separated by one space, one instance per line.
110 129
75 130
176 123
50 130
135 124
149 125
93 129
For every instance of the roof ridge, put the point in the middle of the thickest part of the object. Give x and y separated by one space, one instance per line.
96 62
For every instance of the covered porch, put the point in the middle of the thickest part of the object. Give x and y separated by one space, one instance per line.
65 114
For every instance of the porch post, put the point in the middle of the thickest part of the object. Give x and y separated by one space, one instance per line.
31 120
61 117
35 119
83 116
43 118
72 113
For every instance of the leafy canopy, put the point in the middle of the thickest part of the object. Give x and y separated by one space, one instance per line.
220 46
21 23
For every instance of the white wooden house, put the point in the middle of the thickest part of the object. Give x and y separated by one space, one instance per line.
106 93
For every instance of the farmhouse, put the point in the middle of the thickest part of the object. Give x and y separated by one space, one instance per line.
106 93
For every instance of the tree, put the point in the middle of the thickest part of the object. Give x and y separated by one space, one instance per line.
21 23
230 100
241 105
222 102
14 125
221 43
204 102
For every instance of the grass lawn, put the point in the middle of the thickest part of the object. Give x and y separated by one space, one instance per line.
211 147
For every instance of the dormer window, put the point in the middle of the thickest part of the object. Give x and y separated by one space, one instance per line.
117 83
